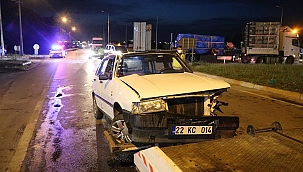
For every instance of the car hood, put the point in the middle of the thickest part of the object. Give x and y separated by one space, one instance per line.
157 85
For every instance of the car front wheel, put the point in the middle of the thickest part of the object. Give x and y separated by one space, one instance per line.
119 130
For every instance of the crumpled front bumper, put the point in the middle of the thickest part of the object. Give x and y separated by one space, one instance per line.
157 127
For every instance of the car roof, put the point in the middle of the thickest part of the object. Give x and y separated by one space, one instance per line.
143 53
149 53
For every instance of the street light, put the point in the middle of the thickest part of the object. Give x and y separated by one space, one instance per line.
70 37
20 21
108 38
281 13
64 19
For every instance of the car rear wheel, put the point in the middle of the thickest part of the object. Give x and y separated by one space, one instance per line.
97 112
119 130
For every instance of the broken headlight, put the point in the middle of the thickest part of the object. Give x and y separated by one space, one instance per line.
148 106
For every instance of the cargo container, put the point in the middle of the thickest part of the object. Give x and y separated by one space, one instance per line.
200 47
269 42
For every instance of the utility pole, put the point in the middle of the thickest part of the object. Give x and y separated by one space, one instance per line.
126 35
20 21
157 34
2 40
108 33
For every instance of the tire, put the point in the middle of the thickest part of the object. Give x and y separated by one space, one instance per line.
190 58
97 112
119 130
290 60
260 60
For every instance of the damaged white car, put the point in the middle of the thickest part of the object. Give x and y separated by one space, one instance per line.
154 97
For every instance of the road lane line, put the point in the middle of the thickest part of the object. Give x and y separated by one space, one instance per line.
19 155
23 144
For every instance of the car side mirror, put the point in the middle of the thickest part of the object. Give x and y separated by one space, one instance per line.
105 76
102 77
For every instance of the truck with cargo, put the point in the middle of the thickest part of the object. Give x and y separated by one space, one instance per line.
200 47
97 42
270 43
142 36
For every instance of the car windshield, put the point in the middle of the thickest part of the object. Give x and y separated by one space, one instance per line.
151 64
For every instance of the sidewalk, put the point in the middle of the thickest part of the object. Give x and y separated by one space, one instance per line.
286 95
15 63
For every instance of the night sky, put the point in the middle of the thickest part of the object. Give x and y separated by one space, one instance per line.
207 17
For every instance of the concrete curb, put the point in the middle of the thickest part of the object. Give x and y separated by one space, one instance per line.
289 95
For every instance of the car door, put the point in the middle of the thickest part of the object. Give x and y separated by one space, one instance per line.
98 83
106 89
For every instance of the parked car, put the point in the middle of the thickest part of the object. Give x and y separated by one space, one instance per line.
154 97
57 51
114 49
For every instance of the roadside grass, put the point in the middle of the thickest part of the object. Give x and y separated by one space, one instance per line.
286 77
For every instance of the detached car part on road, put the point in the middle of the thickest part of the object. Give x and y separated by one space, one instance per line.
154 97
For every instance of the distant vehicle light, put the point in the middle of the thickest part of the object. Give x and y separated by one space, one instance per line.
90 52
56 47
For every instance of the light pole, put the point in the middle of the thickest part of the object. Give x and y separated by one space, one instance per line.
20 21
281 13
108 37
157 31
2 40
157 34
102 35
70 37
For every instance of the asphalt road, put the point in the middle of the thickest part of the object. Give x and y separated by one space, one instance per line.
47 123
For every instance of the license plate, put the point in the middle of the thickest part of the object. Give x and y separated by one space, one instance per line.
191 130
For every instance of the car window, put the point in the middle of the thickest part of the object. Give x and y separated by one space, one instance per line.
150 64
102 67
109 67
